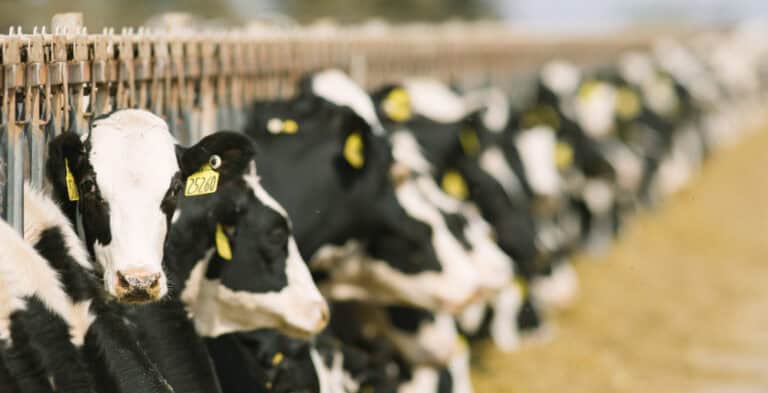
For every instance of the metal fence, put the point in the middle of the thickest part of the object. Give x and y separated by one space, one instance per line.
200 81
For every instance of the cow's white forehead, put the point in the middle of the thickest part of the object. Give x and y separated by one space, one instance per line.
133 154
338 88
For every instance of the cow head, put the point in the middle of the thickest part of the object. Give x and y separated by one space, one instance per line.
119 185
343 190
246 270
264 360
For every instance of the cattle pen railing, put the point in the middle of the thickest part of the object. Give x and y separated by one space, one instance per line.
201 80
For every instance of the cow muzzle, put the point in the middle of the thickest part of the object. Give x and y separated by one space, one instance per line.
138 286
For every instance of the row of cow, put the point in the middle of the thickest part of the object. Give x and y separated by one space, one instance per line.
346 240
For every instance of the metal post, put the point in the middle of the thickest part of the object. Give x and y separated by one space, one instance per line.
15 143
78 78
35 100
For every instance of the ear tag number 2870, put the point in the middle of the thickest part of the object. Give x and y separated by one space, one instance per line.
205 181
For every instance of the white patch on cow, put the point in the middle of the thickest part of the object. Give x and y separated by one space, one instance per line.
436 196
357 276
493 162
557 290
537 153
298 308
133 155
434 100
41 213
636 67
24 274
596 112
433 342
79 325
338 88
494 267
425 379
460 372
496 105
472 317
561 77
628 165
598 195
406 150
503 328
332 379
660 95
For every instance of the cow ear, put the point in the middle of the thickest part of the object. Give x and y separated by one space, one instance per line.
354 140
66 162
233 151
185 166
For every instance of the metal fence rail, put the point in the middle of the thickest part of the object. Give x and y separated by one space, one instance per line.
200 81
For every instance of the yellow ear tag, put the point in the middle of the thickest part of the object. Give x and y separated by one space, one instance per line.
563 155
72 192
353 150
397 105
222 244
469 141
543 115
277 359
290 126
205 181
586 89
627 104
454 185
521 286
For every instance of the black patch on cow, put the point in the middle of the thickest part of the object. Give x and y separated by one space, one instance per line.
444 381
457 224
79 282
408 319
528 318
170 340
248 362
7 382
24 364
49 337
115 356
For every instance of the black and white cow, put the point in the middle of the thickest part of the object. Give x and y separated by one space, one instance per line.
417 190
62 334
263 281
119 183
344 190
242 210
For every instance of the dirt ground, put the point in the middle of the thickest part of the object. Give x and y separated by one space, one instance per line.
679 305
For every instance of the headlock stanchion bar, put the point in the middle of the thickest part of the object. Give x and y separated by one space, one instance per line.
200 80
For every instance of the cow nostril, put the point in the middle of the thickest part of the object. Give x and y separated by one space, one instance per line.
154 281
122 282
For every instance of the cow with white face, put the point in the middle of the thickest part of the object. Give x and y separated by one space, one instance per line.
119 184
